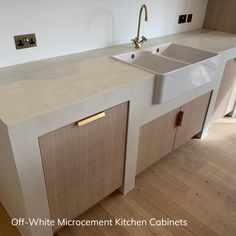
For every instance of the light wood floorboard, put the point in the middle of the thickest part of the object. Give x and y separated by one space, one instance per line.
6 229
196 182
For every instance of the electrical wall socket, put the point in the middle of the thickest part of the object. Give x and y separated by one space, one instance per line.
25 41
185 18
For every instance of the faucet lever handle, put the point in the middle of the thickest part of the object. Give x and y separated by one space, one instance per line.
134 40
144 38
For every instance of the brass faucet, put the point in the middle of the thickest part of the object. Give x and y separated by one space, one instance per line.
139 41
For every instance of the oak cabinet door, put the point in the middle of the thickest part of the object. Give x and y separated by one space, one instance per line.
84 164
226 98
160 136
156 139
192 120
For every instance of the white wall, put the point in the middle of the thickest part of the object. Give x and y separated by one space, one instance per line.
69 26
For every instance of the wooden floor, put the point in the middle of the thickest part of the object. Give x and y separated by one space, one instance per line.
197 182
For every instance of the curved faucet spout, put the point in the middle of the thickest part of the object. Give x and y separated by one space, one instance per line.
140 16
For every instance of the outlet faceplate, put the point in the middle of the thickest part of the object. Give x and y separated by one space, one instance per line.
25 41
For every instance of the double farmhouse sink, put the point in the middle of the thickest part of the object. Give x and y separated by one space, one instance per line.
178 69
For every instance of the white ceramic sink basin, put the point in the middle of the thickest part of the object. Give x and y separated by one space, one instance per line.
152 62
181 52
178 69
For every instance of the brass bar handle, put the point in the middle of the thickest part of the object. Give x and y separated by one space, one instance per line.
180 118
91 119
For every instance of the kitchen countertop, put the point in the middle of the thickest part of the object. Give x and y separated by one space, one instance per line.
36 88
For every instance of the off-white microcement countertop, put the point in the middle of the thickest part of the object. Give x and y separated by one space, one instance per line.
36 88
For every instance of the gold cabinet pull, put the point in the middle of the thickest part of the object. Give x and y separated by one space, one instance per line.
91 119
180 118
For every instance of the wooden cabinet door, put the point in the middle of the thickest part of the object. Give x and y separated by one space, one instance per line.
226 98
82 165
193 117
156 139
